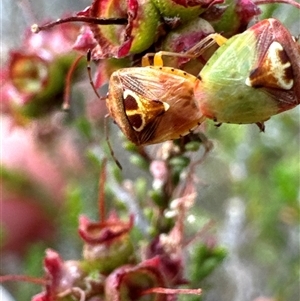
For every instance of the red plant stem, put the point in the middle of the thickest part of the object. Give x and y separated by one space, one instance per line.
202 233
291 2
172 291
102 181
24 278
66 103
75 291
111 21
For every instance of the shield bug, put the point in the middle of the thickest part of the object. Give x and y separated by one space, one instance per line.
251 77
153 104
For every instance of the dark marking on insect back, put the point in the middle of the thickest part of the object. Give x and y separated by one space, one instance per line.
135 121
289 74
282 56
285 59
130 103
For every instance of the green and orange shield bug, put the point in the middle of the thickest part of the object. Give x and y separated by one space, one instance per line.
251 77
153 104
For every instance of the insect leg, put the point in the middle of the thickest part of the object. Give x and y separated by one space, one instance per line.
206 43
261 126
157 57
108 143
146 60
194 52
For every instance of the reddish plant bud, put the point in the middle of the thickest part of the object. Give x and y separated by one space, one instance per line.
28 73
34 79
119 41
184 38
85 40
127 283
246 11
233 17
107 244
63 278
185 10
171 264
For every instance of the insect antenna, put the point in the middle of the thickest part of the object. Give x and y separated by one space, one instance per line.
106 131
66 103
89 70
